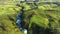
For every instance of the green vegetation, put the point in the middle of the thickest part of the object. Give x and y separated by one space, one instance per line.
44 15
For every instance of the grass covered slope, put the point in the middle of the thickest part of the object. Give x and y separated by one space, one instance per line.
8 19
45 14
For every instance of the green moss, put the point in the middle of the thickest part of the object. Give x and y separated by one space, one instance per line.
39 18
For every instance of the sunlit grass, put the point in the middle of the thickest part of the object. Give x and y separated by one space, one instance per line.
39 18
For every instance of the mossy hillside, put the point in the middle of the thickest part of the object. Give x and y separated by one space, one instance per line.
7 12
40 18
